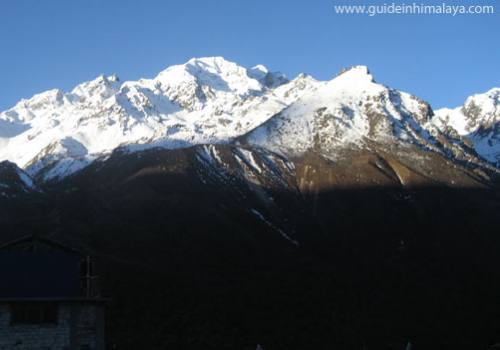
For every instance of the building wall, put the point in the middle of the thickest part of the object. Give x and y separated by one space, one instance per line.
79 325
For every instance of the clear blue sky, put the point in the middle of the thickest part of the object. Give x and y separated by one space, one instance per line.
48 44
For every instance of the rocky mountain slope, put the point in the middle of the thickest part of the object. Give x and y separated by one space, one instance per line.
213 101
228 207
223 246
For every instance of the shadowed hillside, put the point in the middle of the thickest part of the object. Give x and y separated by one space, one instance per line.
255 249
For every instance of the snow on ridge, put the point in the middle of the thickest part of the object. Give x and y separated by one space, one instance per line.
16 179
351 111
476 122
280 231
333 114
210 100
248 159
206 100
26 179
214 72
477 110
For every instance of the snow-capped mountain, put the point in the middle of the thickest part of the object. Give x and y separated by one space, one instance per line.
476 123
212 101
207 100
217 183
346 112
351 113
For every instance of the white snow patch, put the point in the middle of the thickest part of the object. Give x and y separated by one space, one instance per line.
281 232
248 158
26 179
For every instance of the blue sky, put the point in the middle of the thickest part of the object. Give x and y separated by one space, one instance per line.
59 43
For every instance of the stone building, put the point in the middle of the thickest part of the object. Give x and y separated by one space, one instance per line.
49 298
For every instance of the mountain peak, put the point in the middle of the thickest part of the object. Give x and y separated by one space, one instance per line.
211 100
489 100
100 88
260 68
214 73
355 72
216 62
215 65
477 122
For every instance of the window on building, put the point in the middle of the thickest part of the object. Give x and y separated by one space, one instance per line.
34 313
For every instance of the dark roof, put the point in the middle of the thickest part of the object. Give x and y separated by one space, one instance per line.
28 271
36 240
39 275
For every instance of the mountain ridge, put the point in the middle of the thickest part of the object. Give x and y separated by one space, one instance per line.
341 216
211 101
